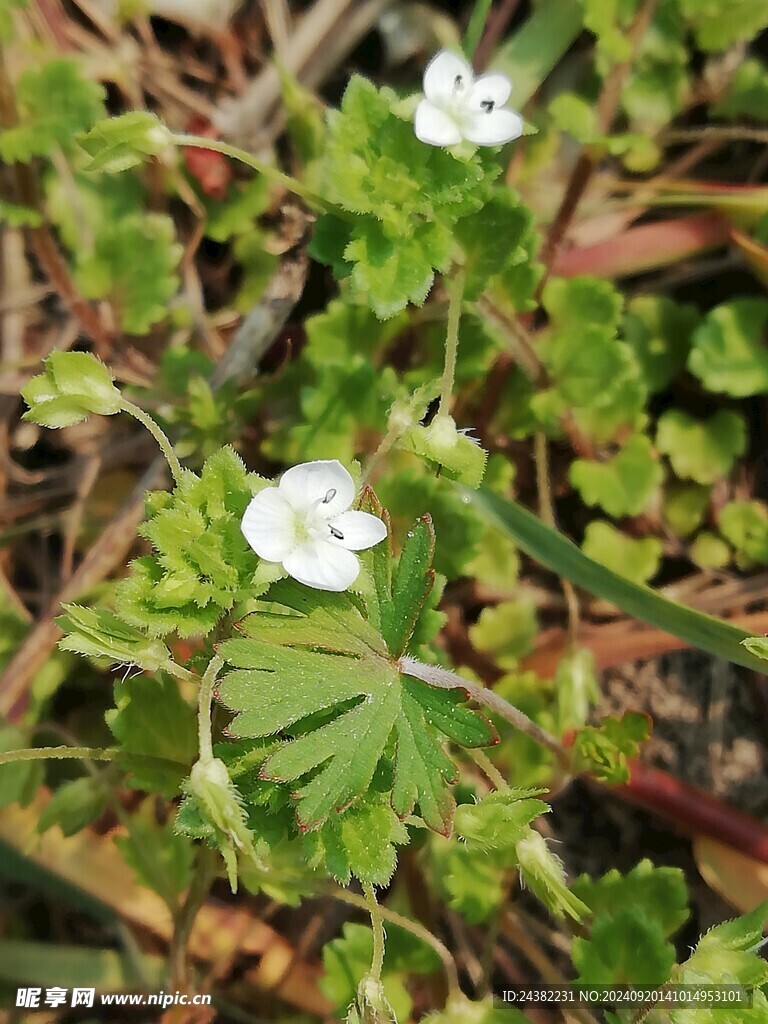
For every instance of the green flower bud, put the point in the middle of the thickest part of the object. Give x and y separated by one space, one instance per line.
97 633
72 386
543 873
371 1005
222 807
461 457
117 143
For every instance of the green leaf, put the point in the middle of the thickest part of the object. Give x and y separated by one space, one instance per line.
202 564
717 28
346 679
74 805
411 585
728 953
659 332
728 354
559 554
703 451
151 718
625 484
745 525
115 144
470 882
98 633
709 551
684 506
73 385
160 856
362 841
492 240
55 103
660 892
626 949
636 558
604 750
139 289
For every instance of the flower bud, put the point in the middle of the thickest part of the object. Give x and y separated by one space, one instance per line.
543 873
441 442
371 1005
72 386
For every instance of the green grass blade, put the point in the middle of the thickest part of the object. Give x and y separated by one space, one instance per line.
559 554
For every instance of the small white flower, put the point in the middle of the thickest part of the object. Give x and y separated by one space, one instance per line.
459 106
304 524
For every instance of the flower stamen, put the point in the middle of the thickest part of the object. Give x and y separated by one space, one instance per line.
336 532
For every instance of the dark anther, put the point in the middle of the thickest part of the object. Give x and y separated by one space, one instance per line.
336 533
488 105
458 81
330 495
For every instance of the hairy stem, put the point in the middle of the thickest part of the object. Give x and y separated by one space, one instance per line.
205 700
449 964
377 924
165 445
488 768
443 679
456 294
269 172
55 753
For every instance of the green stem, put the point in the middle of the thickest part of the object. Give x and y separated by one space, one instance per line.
488 768
204 874
393 434
456 294
43 753
165 445
88 754
476 26
414 927
272 173
444 679
205 700
377 924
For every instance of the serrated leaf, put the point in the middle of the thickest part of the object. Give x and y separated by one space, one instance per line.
151 718
55 103
703 451
604 750
470 882
412 582
624 485
340 667
74 805
362 842
729 354
140 289
626 949
659 892
492 239
728 953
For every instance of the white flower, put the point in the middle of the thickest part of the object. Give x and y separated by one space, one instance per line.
304 523
459 106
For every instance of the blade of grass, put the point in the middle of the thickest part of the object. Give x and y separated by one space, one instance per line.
561 555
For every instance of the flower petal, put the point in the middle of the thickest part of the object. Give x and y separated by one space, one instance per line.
322 565
359 530
433 126
268 525
493 128
489 88
311 482
447 76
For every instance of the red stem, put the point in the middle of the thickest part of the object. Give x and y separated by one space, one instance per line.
694 811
